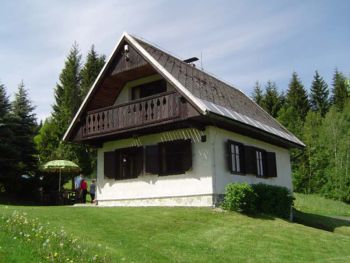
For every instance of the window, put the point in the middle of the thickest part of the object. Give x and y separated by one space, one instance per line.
123 163
148 89
175 157
260 163
168 158
245 159
235 157
165 158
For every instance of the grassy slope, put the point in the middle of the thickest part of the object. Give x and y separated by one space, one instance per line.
14 251
330 215
193 235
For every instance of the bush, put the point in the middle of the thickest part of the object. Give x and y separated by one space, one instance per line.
272 199
240 197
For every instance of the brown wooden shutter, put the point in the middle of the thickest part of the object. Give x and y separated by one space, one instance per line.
138 161
250 160
152 159
242 159
110 165
118 166
271 164
187 156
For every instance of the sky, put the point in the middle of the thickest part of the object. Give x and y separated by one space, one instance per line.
240 42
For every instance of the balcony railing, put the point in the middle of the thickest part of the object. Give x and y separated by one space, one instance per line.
142 112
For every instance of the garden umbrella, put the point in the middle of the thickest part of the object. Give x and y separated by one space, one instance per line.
60 166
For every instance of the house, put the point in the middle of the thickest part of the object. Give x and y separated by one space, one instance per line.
170 134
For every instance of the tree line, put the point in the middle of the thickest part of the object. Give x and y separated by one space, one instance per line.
26 144
321 119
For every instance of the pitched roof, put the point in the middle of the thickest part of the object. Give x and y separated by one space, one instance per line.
204 91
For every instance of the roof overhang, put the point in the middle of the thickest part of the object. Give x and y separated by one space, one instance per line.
154 63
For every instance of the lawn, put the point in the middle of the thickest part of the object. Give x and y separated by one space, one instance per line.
193 234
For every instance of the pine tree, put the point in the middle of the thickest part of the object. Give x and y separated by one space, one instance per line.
297 97
67 93
24 132
271 101
296 107
319 95
92 67
340 93
8 154
257 94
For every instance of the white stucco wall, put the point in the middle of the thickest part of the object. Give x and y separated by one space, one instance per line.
163 190
222 176
208 177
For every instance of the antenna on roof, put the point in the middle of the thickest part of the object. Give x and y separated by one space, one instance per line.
201 61
190 60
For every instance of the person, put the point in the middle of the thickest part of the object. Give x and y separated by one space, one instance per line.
77 183
83 190
93 190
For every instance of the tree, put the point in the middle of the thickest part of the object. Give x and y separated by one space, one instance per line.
8 154
319 95
293 113
271 101
73 85
297 97
92 67
340 93
24 132
257 94
67 93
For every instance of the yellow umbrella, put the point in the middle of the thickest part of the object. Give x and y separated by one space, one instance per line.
60 166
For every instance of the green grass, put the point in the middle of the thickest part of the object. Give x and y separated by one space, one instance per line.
14 251
198 234
322 213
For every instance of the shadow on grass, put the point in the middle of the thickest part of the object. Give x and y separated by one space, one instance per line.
319 221
6 199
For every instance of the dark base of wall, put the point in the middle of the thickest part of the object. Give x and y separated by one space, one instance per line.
217 199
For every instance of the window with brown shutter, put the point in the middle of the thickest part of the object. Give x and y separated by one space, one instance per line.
235 157
152 159
130 162
271 165
244 159
250 160
260 158
175 157
110 165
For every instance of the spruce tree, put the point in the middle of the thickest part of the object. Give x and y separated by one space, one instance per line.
92 67
67 92
257 94
296 107
24 132
271 101
340 93
319 95
8 153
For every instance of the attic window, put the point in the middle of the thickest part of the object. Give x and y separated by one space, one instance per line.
148 89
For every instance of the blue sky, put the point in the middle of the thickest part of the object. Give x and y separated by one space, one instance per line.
240 41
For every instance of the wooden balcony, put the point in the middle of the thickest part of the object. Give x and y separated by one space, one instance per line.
160 108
